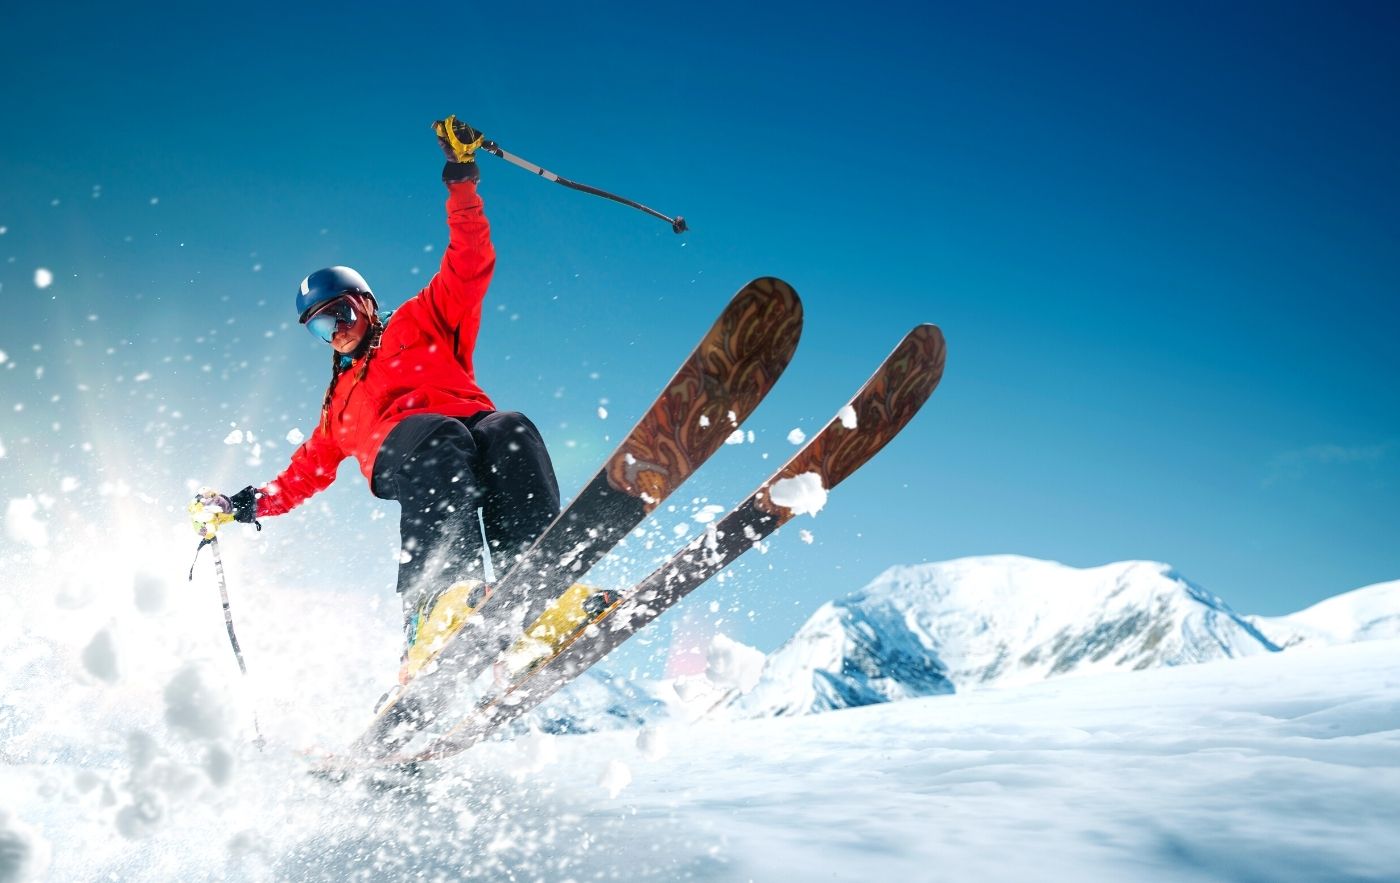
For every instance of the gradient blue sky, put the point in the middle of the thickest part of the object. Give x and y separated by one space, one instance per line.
1161 240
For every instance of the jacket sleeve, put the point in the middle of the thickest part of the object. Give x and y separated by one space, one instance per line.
312 470
455 293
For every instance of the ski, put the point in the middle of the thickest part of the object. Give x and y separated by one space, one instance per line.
717 387
879 411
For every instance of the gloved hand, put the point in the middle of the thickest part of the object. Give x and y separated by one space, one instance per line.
211 510
245 505
459 142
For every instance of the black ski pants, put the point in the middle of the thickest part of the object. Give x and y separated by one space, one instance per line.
442 470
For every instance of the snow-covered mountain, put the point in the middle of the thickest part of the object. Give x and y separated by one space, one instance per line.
1366 614
994 621
960 625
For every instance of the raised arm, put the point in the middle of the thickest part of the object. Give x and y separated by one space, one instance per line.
457 290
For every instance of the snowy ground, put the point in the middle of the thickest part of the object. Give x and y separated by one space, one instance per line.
1280 767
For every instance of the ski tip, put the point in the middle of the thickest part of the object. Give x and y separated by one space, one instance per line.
931 336
776 289
678 225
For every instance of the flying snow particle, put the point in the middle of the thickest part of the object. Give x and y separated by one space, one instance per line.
295 436
707 513
234 438
540 751
847 416
652 743
149 590
22 523
730 664
4 230
796 437
735 438
24 855
43 278
142 377
155 200
803 494
2 449
3 358
68 484
192 707
143 816
602 413
100 657
218 765
704 421
806 536
616 776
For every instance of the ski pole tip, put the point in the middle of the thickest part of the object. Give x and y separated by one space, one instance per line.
678 225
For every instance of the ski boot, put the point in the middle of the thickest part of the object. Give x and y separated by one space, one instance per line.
562 621
437 619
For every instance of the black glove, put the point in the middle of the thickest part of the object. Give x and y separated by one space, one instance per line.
245 505
459 142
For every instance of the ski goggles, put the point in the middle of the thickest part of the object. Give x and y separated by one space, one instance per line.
337 316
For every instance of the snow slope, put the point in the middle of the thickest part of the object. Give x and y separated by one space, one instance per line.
994 621
1280 767
1366 614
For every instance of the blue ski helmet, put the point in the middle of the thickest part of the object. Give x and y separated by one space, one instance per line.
327 285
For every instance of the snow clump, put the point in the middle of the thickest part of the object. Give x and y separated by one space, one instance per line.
731 664
191 706
149 591
847 416
43 278
295 436
796 437
616 776
652 744
707 513
234 438
100 657
24 855
803 494
22 523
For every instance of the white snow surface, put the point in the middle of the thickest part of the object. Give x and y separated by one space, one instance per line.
1365 614
126 751
1283 767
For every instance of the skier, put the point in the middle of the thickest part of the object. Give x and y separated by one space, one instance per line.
404 402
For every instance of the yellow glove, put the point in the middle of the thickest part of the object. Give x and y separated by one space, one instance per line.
459 140
209 511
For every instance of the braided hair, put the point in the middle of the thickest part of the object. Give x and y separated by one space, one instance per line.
341 363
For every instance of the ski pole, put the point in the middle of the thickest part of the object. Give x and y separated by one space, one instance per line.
211 540
677 223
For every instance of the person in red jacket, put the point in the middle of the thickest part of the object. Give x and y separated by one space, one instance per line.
404 402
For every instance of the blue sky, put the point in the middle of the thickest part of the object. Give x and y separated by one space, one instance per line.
1161 241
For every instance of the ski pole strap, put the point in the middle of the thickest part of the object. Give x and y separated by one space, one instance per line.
200 548
677 223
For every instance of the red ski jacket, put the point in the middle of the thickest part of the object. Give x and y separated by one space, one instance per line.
423 364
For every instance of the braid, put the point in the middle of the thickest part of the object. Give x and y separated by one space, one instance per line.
338 366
